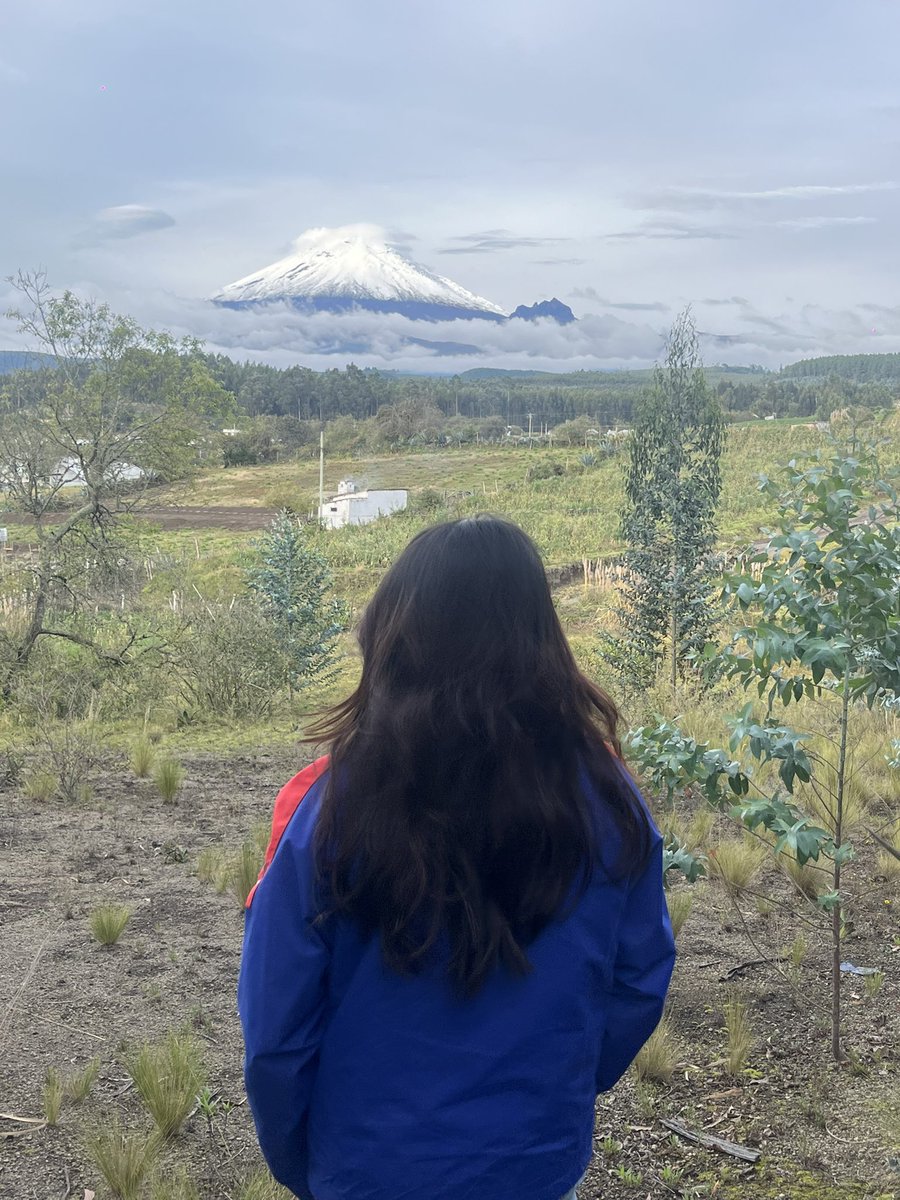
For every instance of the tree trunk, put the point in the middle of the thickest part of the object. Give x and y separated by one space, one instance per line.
836 916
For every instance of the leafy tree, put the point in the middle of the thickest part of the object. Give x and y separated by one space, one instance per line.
291 581
827 610
122 406
672 486
822 617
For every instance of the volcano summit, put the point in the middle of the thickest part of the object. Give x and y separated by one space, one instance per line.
337 270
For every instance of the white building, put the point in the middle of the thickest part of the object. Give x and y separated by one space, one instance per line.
68 472
350 507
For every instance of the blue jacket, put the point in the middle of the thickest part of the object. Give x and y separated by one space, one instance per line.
366 1085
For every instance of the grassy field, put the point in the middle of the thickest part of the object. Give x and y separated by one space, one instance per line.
753 945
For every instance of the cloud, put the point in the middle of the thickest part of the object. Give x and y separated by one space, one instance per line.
589 293
493 240
704 198
125 221
824 222
559 262
739 300
673 231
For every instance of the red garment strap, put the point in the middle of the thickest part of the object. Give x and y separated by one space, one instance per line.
286 805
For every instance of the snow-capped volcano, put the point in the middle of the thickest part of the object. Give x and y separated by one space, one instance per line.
333 270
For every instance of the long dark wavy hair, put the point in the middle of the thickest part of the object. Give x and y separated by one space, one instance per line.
456 804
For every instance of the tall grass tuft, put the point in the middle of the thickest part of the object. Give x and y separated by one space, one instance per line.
736 862
123 1157
261 1186
805 878
739 1038
53 1096
142 756
108 922
209 864
41 786
167 1076
78 1085
658 1057
700 828
169 778
245 869
680 904
888 865
174 1185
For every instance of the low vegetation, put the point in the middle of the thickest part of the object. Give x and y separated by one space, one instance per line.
124 1157
108 922
167 1076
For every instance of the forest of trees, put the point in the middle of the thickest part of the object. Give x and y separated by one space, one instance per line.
607 398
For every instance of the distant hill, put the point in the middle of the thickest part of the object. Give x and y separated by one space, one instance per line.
554 309
23 360
861 368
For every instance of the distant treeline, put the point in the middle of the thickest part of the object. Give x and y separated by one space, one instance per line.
813 388
861 368
607 398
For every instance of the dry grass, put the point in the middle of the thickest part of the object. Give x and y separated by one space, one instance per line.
739 1038
245 869
680 904
53 1096
658 1057
108 922
700 829
209 864
123 1157
167 1076
261 1186
174 1185
41 786
888 865
168 778
806 878
78 1085
736 862
142 756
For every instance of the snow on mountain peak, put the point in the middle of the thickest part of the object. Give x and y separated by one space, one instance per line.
352 264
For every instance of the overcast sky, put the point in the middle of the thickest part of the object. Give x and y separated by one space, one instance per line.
628 156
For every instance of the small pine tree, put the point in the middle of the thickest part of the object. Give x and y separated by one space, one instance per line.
672 486
291 582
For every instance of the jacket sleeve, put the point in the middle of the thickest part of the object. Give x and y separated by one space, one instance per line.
281 1000
645 956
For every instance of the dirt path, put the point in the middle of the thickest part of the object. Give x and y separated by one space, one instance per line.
824 1132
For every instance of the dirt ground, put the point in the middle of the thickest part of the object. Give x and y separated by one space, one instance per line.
823 1131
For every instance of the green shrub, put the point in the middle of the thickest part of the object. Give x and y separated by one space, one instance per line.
167 1076
108 922
168 779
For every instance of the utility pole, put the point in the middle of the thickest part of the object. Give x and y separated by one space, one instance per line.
530 415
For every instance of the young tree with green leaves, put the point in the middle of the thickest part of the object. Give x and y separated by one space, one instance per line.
821 620
827 616
118 408
291 581
672 485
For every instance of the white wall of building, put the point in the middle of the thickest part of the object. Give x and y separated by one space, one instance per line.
358 508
